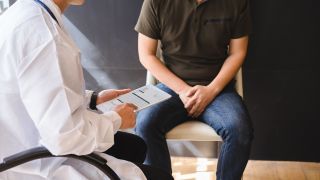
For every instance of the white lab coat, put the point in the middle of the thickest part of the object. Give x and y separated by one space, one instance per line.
43 101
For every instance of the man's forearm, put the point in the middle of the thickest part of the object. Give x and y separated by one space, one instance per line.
153 64
147 48
229 69
237 54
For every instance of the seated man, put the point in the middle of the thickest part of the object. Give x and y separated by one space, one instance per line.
43 101
204 43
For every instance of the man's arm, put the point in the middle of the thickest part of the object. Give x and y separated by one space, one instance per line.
237 54
147 48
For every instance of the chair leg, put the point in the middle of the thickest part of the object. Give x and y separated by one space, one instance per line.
215 148
219 144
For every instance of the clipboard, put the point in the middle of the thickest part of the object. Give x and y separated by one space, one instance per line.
142 97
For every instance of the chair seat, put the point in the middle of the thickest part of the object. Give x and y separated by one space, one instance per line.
193 131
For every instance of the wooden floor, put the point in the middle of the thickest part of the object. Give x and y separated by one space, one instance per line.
204 169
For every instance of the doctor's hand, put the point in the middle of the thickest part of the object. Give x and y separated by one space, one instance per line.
127 114
199 98
109 94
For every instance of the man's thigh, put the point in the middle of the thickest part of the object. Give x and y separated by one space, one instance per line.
227 112
163 116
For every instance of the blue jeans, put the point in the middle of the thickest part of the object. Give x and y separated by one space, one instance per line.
226 114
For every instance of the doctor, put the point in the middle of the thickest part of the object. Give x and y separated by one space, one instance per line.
43 101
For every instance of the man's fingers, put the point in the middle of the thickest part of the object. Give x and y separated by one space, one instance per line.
198 113
191 92
193 110
196 110
190 103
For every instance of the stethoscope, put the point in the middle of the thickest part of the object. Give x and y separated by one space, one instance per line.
47 9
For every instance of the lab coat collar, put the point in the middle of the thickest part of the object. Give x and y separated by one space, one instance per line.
55 10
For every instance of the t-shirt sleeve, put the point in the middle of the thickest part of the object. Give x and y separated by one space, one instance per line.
148 22
242 23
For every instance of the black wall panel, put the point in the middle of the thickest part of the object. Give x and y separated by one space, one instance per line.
282 79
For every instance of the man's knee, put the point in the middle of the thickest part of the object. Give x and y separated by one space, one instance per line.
147 124
240 133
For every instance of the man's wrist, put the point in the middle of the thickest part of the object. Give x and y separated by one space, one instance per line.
182 89
93 101
213 89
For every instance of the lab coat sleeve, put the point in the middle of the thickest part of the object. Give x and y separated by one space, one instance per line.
52 89
88 97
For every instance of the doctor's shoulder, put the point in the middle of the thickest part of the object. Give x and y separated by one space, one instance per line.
25 27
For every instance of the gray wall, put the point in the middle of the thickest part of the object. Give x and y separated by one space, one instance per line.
104 31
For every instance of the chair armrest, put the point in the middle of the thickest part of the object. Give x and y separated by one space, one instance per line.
42 152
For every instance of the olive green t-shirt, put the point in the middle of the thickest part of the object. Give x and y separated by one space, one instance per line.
194 37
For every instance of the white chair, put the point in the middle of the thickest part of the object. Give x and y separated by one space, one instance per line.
194 130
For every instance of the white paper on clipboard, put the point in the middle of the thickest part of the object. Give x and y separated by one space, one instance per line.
142 97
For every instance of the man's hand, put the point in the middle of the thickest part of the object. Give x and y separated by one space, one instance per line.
199 98
183 95
109 94
127 113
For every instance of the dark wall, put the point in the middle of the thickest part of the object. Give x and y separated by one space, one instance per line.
282 79
281 76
